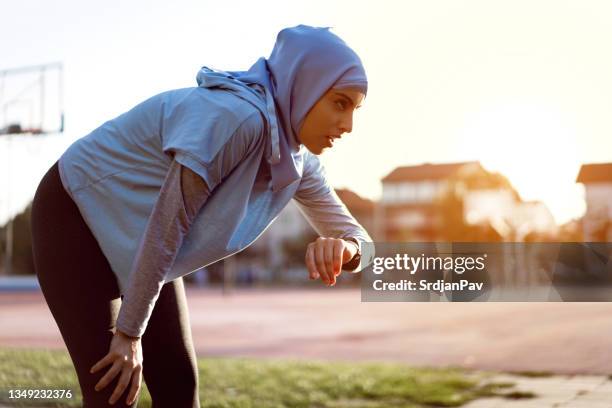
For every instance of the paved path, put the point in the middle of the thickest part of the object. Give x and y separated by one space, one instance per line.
554 392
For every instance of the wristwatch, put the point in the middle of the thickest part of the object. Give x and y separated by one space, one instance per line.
354 262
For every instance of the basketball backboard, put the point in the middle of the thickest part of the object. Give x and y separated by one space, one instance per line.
31 99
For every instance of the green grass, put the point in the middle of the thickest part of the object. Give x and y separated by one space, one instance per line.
244 383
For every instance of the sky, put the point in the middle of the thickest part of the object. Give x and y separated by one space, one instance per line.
522 86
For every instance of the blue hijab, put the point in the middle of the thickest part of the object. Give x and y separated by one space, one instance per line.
304 64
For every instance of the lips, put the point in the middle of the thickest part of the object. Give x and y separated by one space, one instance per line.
331 138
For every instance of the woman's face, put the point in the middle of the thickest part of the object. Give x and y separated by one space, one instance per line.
329 118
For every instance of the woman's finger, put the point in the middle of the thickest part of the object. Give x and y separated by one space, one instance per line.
328 255
320 261
310 262
110 374
124 380
136 381
338 252
106 360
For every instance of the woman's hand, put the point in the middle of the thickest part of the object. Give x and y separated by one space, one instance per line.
125 355
325 256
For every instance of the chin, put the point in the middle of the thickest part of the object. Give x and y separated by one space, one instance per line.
316 150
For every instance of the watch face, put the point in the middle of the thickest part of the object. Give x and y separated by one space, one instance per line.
358 246
350 239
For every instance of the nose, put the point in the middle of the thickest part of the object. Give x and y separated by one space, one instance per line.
346 124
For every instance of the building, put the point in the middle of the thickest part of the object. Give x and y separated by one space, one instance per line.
597 221
457 202
407 210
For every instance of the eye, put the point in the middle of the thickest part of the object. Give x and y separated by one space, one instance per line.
341 104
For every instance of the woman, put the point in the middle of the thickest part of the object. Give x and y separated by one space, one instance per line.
184 179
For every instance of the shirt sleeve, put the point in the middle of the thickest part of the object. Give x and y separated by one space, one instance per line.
327 214
202 143
181 197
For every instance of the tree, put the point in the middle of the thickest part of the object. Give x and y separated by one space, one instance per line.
23 261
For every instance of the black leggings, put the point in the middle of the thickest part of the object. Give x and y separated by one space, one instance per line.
83 296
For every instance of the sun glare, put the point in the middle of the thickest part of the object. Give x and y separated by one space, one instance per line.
535 147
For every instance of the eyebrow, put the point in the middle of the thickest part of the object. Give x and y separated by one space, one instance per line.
349 99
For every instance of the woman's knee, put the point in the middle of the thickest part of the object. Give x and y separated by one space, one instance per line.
84 354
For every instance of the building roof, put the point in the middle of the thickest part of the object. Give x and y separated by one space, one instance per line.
595 172
426 171
353 201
